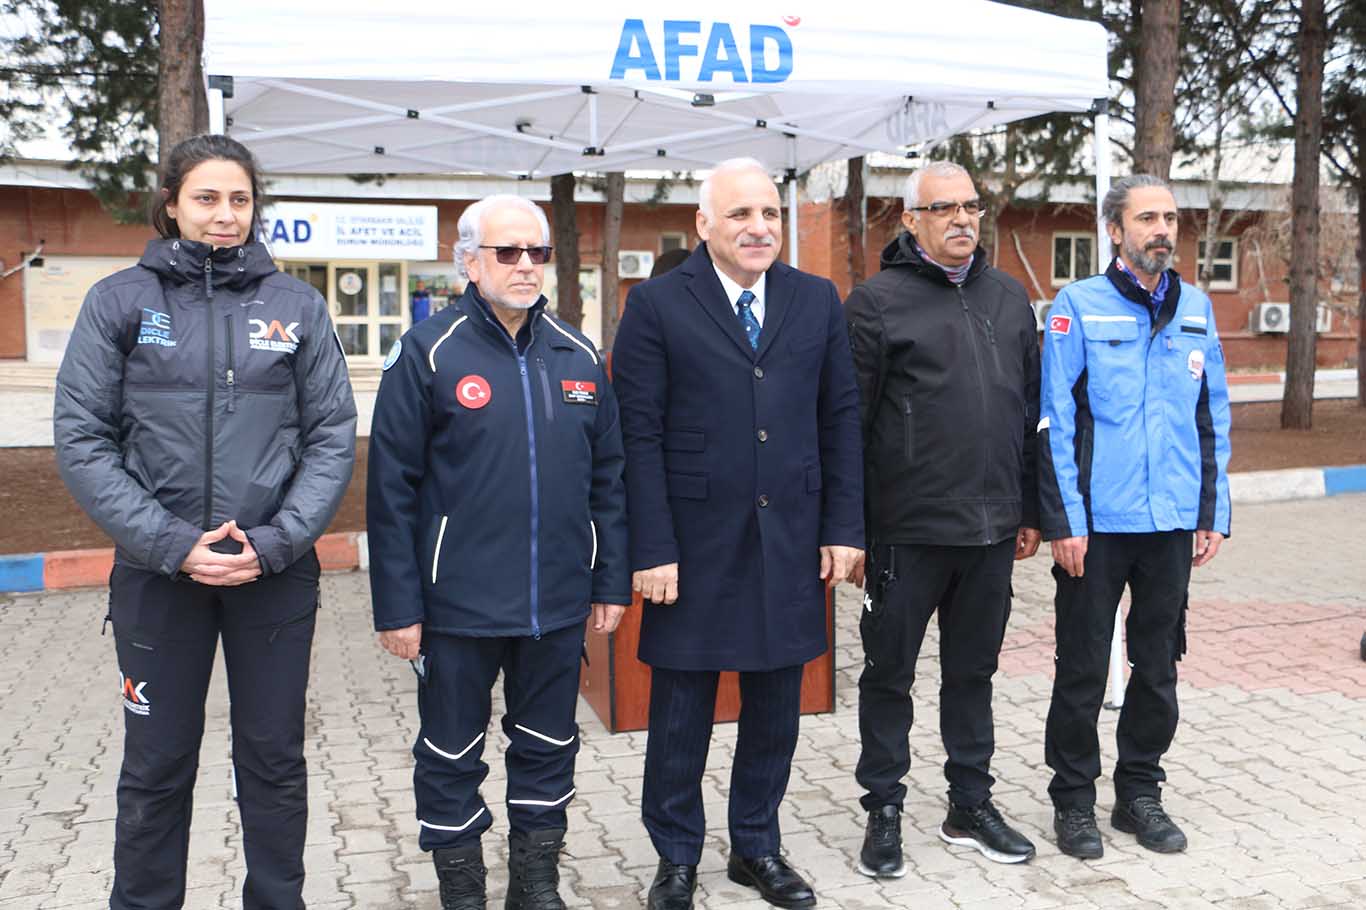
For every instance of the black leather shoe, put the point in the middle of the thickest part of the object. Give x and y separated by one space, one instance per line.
778 883
673 886
1145 817
881 855
983 829
1077 833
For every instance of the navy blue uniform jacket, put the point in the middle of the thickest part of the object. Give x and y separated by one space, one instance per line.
495 504
740 464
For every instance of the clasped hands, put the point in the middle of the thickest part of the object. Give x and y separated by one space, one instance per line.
660 584
209 567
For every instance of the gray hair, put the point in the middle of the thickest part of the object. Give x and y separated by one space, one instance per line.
1112 207
729 166
471 224
910 197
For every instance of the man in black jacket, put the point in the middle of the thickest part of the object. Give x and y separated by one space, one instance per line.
948 366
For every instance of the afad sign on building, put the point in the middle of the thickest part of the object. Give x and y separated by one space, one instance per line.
321 230
693 51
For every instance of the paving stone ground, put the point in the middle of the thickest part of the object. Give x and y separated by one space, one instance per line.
1268 772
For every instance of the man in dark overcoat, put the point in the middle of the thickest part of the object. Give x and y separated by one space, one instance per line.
744 486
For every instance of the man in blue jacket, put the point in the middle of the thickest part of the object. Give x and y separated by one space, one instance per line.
740 419
496 515
1133 478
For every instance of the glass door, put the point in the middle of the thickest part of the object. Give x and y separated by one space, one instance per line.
354 300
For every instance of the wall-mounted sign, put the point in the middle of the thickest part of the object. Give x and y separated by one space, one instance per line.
321 230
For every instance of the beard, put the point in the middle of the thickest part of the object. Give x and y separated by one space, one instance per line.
1152 259
509 304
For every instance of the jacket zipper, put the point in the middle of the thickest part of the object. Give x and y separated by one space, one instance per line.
232 361
212 373
531 461
908 426
545 389
982 392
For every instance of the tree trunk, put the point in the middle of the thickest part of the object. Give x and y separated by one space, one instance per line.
854 221
1297 407
1155 87
182 106
1214 212
1361 258
611 246
565 228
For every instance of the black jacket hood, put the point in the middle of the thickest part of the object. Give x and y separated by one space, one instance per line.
180 261
901 253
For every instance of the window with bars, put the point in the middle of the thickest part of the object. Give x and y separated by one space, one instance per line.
1073 257
1223 266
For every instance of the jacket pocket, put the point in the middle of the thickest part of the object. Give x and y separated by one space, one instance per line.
908 430
686 486
436 547
685 441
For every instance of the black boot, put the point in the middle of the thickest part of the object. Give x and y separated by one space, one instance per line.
460 872
534 870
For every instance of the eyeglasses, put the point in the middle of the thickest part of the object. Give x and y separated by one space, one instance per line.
973 207
511 255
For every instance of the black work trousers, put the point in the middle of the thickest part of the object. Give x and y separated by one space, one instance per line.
166 633
969 587
454 699
1157 569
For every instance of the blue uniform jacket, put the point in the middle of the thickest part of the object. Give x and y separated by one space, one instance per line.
741 464
1133 429
496 504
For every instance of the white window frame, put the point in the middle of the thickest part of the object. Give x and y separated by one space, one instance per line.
1232 261
1073 236
680 236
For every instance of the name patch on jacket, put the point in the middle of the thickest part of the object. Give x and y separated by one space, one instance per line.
577 391
155 328
273 336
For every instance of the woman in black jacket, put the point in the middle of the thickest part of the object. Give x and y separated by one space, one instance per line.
204 419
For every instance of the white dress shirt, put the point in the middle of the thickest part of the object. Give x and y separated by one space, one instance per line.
733 292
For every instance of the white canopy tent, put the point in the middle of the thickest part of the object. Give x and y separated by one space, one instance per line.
541 88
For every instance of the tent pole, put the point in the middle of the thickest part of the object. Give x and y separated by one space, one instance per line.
1101 140
217 117
792 256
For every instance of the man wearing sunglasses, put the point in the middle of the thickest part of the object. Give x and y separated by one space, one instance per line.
948 366
740 417
497 518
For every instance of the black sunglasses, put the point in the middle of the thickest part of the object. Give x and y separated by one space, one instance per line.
511 255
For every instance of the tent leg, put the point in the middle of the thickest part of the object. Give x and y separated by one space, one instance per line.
1101 140
792 233
217 117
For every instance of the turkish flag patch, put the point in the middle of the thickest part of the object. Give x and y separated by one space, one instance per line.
1060 325
578 391
473 392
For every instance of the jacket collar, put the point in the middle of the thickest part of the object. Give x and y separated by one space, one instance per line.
1132 291
473 304
183 261
779 286
901 252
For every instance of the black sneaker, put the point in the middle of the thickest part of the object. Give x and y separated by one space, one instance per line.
1145 817
1077 833
983 829
881 854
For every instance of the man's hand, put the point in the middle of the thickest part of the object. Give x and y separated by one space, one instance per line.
856 574
1206 546
658 585
222 569
404 643
1027 542
1070 553
839 564
606 617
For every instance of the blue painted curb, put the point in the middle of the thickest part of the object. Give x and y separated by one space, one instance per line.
21 573
1351 479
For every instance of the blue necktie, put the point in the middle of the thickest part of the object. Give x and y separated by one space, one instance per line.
747 319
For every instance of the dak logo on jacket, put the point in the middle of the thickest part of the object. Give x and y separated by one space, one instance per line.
273 336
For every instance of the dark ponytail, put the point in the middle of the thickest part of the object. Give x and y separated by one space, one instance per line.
188 155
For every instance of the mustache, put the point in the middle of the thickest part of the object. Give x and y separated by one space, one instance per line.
756 241
960 232
1160 245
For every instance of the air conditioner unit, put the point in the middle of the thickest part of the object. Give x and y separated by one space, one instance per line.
1271 317
1041 308
1323 320
635 263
